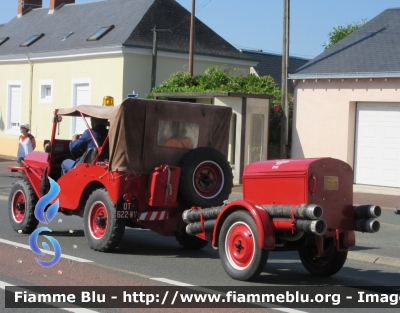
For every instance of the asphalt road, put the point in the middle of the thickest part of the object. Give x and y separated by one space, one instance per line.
145 258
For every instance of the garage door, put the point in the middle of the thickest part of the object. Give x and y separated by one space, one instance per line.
377 144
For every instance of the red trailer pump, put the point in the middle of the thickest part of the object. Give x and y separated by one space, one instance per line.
294 204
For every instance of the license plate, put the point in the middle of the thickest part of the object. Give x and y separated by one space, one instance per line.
126 214
128 211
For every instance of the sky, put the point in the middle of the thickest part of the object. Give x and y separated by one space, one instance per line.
258 24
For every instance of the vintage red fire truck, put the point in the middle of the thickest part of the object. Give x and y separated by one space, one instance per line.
163 167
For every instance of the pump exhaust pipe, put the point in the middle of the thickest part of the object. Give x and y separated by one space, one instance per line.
301 211
366 211
195 228
316 227
367 225
191 216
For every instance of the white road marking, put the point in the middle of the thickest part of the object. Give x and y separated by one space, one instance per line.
3 198
65 256
3 285
172 282
178 283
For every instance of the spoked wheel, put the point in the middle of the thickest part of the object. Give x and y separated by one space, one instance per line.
103 230
206 178
327 265
190 242
21 206
240 254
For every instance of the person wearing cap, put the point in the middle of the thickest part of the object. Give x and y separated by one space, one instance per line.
26 143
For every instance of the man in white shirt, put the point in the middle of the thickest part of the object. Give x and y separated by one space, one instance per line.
26 143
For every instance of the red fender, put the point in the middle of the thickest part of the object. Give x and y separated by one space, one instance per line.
263 221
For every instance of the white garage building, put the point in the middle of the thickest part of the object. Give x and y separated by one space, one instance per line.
347 103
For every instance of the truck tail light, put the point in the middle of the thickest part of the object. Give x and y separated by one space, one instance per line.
127 197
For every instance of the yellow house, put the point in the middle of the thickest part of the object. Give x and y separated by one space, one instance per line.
72 54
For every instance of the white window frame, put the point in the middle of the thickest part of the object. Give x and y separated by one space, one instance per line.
75 83
9 129
42 97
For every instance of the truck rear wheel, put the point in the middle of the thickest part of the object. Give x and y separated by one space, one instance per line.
190 242
103 230
240 254
21 205
327 265
206 178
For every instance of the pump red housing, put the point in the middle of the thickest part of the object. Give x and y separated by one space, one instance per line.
327 182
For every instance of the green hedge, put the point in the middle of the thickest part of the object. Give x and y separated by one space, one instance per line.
215 80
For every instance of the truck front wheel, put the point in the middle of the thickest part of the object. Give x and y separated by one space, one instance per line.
328 264
21 206
240 254
103 230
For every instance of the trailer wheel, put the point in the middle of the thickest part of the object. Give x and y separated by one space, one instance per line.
103 230
21 204
206 178
240 254
190 242
327 265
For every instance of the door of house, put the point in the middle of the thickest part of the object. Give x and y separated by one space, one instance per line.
377 144
81 97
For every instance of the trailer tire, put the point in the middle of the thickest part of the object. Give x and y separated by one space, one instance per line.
325 266
103 230
22 217
190 242
206 178
240 254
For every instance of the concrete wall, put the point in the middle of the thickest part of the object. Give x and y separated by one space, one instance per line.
253 106
259 107
325 114
236 104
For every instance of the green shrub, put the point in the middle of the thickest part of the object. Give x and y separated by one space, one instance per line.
219 80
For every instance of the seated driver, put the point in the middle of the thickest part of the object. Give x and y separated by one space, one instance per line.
176 134
79 144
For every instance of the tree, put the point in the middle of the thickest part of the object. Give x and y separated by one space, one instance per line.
339 32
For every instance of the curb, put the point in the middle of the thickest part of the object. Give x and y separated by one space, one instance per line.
373 258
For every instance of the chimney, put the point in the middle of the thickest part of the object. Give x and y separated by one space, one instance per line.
24 5
56 3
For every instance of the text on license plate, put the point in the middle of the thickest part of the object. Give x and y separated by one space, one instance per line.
126 214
